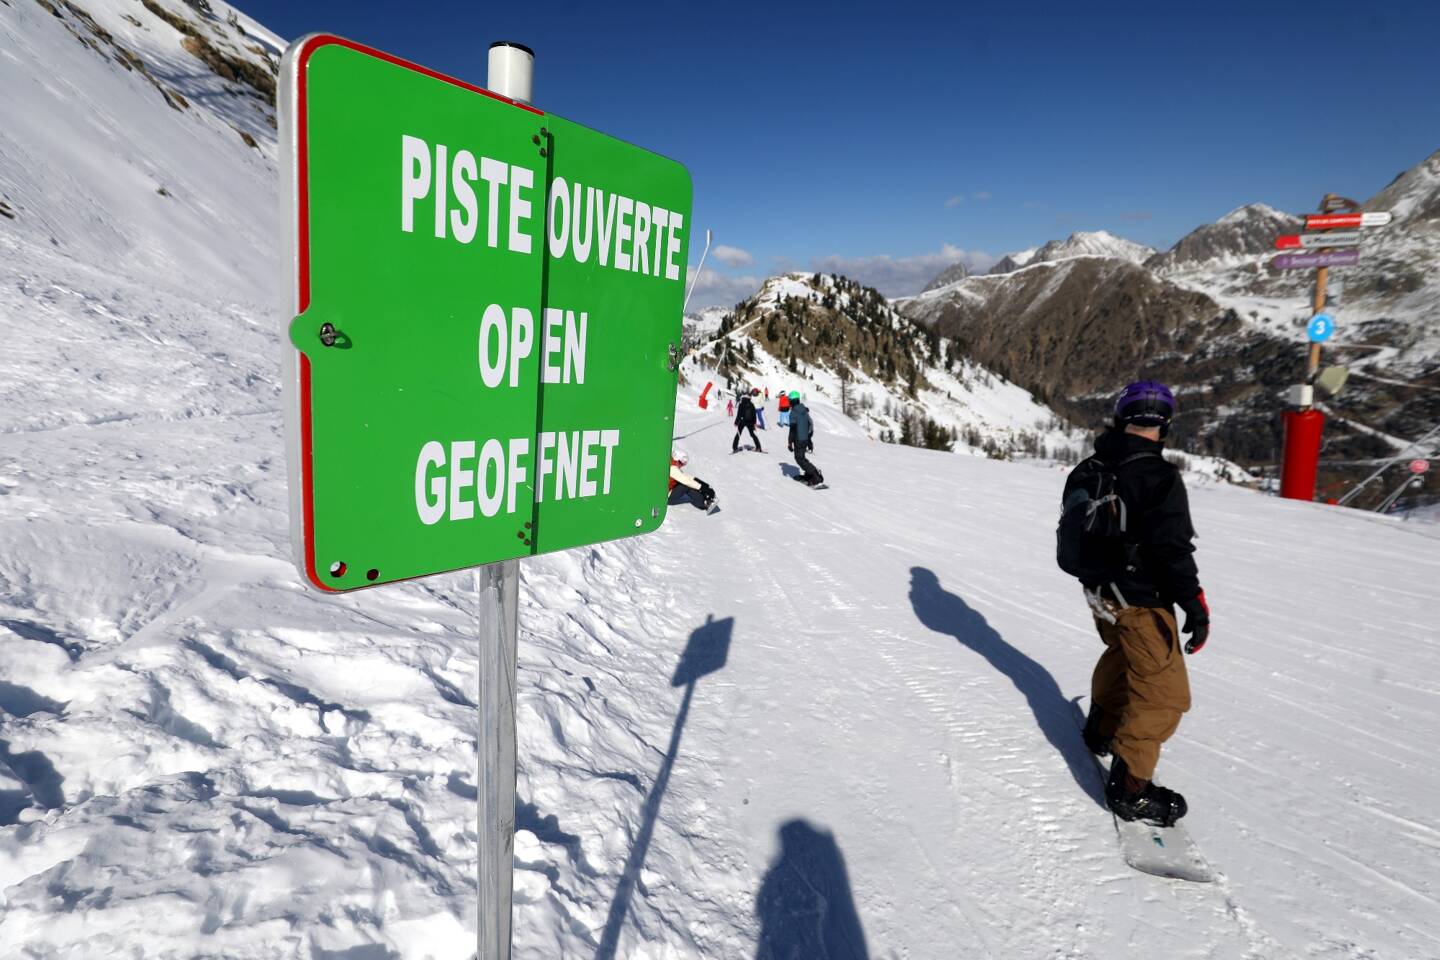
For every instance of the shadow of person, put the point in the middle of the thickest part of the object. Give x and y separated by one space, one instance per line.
705 653
805 906
790 470
1059 719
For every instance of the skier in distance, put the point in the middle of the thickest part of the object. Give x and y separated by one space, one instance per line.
745 420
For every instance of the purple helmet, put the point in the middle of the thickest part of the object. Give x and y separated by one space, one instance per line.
1147 403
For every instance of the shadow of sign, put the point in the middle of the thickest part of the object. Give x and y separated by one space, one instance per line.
705 653
805 906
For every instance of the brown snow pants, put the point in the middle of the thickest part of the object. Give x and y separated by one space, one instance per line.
1140 685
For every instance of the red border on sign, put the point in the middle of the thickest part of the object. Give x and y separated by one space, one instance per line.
302 249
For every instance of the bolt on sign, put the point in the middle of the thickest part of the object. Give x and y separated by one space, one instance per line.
485 299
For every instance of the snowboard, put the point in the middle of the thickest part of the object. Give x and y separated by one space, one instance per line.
1159 851
822 485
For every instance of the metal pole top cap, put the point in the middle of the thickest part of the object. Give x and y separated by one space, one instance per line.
513 44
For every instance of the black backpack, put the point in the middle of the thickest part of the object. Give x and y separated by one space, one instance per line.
1092 541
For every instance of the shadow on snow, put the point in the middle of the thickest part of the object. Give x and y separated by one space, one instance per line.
706 652
1059 719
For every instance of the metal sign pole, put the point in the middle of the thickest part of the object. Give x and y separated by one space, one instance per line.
497 594
497 588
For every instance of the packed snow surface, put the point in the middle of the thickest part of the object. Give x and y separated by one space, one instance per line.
837 723
842 722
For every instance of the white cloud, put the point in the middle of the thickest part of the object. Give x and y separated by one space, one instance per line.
732 256
902 276
954 202
719 289
983 195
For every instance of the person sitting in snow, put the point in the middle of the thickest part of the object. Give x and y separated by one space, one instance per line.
685 487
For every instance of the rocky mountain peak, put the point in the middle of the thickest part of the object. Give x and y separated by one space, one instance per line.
956 271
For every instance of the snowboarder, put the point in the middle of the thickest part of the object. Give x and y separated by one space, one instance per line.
759 408
745 420
802 440
1125 532
685 487
782 402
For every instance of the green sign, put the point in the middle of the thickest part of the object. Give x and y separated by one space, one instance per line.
487 298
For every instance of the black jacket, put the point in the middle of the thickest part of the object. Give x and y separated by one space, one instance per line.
801 428
1159 521
745 413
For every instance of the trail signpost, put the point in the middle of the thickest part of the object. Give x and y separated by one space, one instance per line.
1305 425
483 322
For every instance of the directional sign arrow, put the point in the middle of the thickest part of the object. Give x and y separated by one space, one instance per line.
1328 221
1327 258
1310 241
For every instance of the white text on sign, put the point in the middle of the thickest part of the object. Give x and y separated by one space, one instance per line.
620 232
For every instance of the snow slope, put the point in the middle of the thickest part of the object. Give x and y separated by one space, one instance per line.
846 715
817 724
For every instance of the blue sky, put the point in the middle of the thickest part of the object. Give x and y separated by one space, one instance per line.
885 140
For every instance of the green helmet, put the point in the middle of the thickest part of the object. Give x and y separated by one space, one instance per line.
794 394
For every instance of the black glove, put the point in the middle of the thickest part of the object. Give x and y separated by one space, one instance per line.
1197 621
790 447
810 446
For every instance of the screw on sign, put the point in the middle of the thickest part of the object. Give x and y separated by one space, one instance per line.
1418 467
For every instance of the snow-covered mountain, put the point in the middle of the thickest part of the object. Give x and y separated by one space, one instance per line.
1099 243
1214 317
1013 261
1246 232
836 340
702 324
956 271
